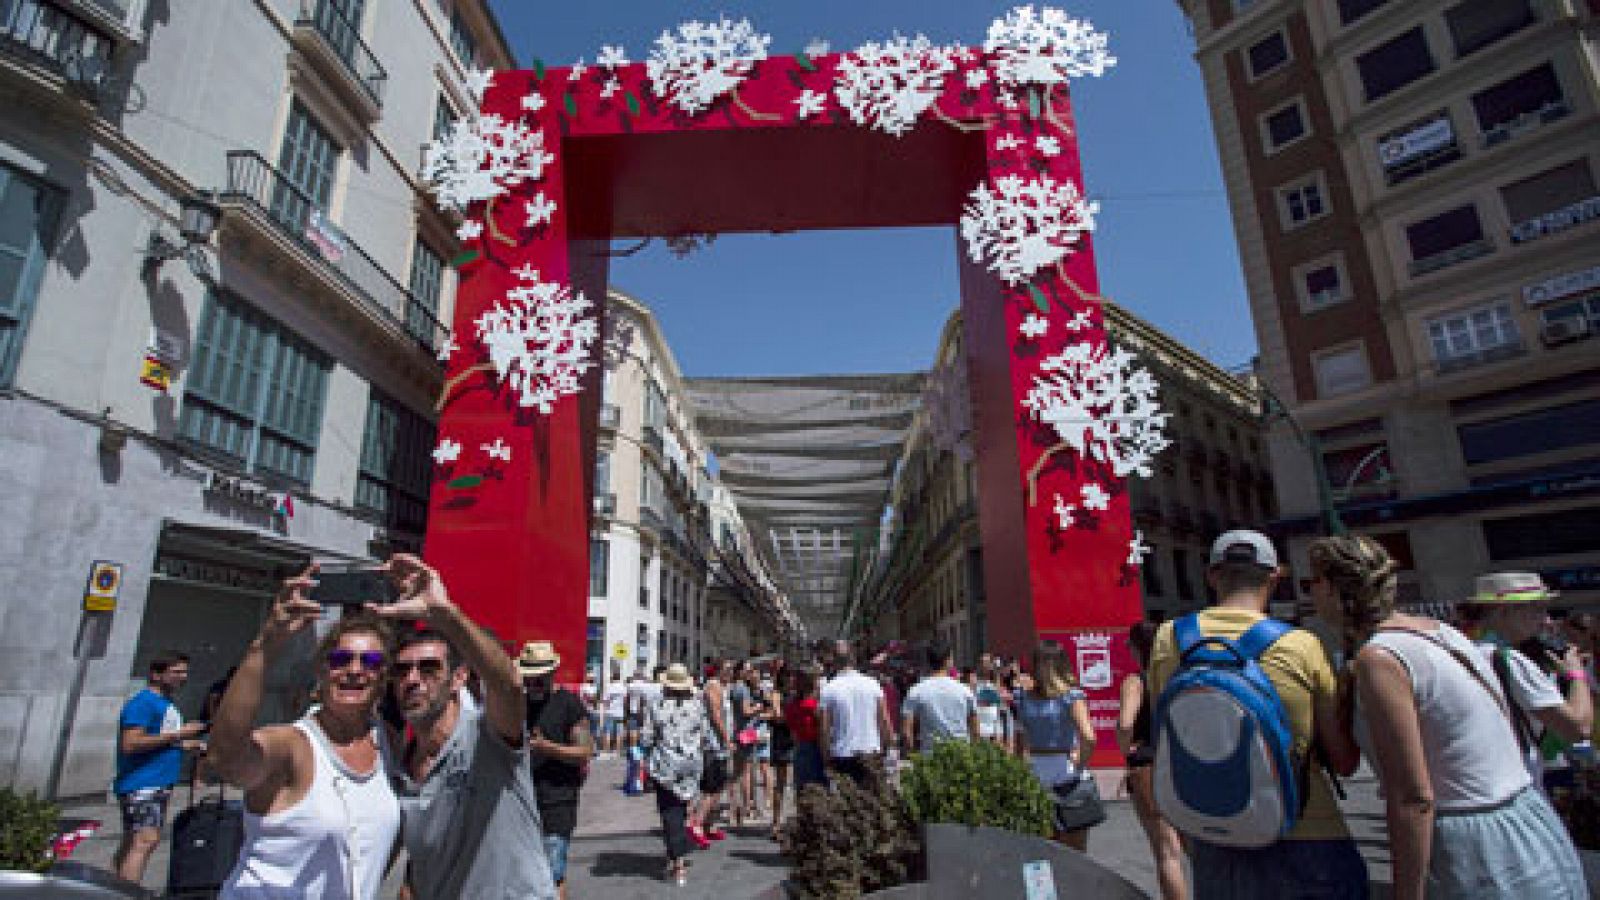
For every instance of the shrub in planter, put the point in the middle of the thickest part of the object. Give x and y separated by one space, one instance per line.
849 841
975 783
27 827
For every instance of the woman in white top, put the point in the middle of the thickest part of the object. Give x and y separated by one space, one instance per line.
320 815
1463 818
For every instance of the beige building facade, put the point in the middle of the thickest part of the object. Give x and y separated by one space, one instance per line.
1414 189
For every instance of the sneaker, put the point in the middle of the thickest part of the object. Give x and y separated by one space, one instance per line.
698 836
716 834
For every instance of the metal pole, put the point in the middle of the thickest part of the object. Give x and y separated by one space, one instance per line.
1331 523
89 640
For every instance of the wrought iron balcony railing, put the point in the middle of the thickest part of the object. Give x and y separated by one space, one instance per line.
255 183
50 33
344 38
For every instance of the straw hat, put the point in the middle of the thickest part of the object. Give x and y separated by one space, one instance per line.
1510 588
538 658
676 678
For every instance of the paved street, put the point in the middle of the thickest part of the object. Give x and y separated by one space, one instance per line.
617 851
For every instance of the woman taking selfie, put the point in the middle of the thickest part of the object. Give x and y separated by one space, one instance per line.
320 816
1465 819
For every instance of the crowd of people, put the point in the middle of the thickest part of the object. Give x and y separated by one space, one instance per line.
425 741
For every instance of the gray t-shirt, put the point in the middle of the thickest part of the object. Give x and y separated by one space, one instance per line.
468 827
941 706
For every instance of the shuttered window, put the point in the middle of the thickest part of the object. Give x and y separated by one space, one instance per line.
396 466
427 282
307 160
27 220
255 393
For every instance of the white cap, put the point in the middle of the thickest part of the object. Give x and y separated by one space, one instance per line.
1244 546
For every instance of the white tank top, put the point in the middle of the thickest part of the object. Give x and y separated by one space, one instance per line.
340 833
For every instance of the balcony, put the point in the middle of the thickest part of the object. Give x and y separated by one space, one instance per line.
266 206
332 45
1455 255
651 435
610 416
52 35
1552 111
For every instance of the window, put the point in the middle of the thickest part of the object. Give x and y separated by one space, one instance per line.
1418 148
1446 239
1352 10
1530 201
644 585
28 211
599 566
1476 336
667 588
1394 64
1544 534
1584 308
1362 471
1321 285
427 283
1341 371
462 41
1521 100
307 162
1540 431
1476 24
396 468
1267 54
1283 126
1301 202
255 392
602 472
444 118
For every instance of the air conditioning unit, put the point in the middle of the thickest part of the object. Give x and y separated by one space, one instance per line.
1564 330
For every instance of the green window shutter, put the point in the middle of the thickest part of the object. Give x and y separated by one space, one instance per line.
427 280
396 468
27 219
307 162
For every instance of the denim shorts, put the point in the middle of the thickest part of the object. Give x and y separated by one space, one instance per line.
144 808
1287 870
555 853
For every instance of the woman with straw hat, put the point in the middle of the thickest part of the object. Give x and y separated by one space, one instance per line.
674 737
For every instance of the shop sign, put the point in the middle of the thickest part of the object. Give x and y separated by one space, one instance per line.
1561 286
1420 141
1556 221
105 580
216 574
237 490
620 650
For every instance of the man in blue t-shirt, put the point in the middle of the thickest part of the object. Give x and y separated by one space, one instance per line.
151 739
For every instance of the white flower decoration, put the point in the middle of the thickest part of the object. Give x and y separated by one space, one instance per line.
1034 326
447 348
888 85
1045 49
526 272
1080 320
810 103
539 340
1008 99
1102 405
533 102
469 230
1007 142
610 88
1137 549
1064 511
1022 226
448 451
1047 145
611 57
578 68
818 47
977 78
702 61
1095 497
540 209
498 450
480 158
477 82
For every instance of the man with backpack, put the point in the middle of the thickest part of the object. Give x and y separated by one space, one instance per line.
1247 717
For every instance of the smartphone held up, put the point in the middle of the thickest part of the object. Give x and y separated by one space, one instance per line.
353 586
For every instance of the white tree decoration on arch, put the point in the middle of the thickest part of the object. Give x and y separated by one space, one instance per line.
1102 405
539 340
701 62
1023 225
888 86
1046 48
480 158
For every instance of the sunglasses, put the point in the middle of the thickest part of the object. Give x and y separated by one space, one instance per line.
429 668
371 660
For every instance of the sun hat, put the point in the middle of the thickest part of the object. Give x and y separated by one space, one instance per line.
538 658
676 678
1507 588
1243 545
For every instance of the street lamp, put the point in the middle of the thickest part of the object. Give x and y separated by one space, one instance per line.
1272 408
197 220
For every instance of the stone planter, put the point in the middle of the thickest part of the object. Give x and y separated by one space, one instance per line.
69 881
966 862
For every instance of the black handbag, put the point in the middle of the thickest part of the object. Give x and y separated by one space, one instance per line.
1078 804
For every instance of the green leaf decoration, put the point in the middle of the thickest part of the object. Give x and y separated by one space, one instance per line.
805 62
1035 105
467 257
570 104
1039 300
538 69
464 482
633 103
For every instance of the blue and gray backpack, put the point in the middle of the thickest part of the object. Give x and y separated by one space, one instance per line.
1225 771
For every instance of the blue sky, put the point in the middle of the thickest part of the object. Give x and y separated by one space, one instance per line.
797 304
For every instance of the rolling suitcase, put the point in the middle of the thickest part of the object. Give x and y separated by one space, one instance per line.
206 840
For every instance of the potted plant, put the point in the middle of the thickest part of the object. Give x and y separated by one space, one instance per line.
30 829
849 841
977 784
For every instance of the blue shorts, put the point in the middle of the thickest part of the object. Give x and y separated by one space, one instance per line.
555 853
1303 870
